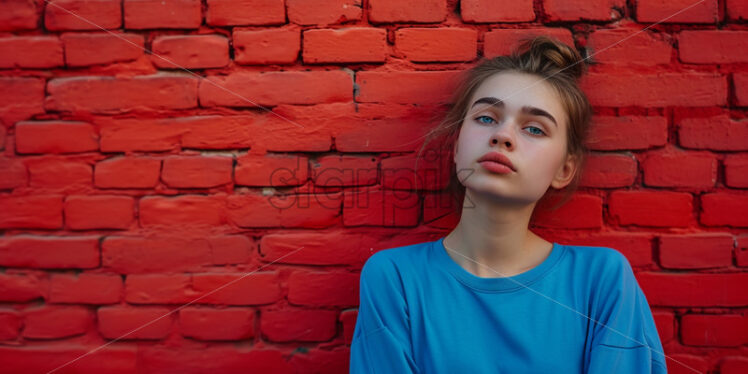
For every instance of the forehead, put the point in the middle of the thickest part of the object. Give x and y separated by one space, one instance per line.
520 89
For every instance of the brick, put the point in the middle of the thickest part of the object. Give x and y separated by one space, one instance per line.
126 323
733 364
306 128
736 10
736 170
190 51
665 323
609 171
577 10
82 15
503 41
20 98
231 249
218 131
245 12
162 14
49 252
696 251
115 95
86 49
99 212
226 358
348 320
713 46
437 44
388 126
300 87
31 52
402 173
714 330
85 288
217 324
16 15
487 11
314 248
12 173
127 172
741 251
694 289
22 287
649 208
318 289
159 289
120 135
666 169
133 255
55 137
293 210
38 211
686 363
340 171
298 325
740 81
323 12
196 171
54 322
641 48
663 89
440 210
267 170
44 359
337 358
49 172
381 208
637 248
582 211
255 288
724 209
417 11
183 210
412 87
10 325
354 44
609 133
673 11
264 47
719 133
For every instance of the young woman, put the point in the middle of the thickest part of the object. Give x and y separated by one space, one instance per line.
491 296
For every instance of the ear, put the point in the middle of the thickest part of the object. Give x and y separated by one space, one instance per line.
565 172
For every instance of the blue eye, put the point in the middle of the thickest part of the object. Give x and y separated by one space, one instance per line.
536 133
479 117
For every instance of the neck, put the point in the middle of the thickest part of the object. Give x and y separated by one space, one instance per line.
494 234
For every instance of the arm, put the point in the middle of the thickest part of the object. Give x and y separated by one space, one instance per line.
625 338
381 339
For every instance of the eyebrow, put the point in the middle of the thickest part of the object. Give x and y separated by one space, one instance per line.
531 110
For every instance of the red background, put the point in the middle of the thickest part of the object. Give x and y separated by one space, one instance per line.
132 188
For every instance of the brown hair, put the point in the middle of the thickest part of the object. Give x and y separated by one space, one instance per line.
558 64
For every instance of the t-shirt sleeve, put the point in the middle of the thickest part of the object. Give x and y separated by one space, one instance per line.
381 339
625 338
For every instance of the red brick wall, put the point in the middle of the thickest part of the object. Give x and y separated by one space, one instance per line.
191 186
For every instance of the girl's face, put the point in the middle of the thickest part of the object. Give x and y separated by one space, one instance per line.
525 124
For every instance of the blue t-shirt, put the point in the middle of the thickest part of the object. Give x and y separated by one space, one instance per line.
421 312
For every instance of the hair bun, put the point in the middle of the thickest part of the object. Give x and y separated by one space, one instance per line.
546 52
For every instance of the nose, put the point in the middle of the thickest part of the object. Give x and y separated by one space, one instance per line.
503 135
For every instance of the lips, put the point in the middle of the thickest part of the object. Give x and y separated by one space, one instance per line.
499 158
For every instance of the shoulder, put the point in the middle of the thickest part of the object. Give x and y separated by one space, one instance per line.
394 261
599 260
606 270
